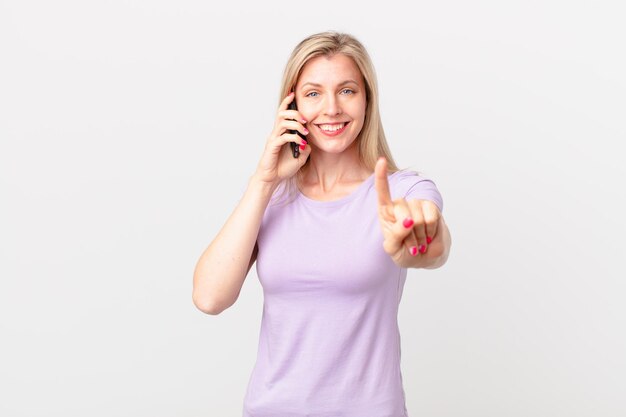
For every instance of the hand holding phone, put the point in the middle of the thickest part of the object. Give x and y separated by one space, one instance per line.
276 164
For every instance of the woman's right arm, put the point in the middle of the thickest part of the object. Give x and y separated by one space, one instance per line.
224 265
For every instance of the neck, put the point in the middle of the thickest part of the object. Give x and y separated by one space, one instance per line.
327 170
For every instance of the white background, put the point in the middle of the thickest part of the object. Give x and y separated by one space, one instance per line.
129 130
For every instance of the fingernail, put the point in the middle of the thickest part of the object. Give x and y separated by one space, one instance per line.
304 142
291 94
413 250
303 121
422 248
306 131
302 147
408 222
429 239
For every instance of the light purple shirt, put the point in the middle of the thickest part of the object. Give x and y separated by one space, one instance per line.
329 344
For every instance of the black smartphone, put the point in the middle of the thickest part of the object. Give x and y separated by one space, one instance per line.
295 147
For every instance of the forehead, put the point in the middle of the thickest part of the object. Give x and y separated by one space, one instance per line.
330 70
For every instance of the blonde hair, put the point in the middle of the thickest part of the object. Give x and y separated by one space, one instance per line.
371 141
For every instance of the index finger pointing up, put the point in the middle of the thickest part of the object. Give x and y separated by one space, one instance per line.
381 183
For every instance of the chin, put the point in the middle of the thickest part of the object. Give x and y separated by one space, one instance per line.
335 148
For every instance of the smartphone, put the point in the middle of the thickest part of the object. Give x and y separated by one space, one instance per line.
295 147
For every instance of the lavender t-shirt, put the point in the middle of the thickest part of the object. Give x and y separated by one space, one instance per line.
329 344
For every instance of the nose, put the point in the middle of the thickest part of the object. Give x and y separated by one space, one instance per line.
332 106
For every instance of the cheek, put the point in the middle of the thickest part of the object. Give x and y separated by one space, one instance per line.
307 112
360 117
358 110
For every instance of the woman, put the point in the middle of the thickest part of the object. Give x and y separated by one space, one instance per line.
333 232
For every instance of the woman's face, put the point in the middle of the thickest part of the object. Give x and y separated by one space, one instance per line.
330 94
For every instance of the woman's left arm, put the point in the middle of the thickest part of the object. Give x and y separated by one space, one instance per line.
415 234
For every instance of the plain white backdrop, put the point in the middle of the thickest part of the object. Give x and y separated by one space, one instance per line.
129 130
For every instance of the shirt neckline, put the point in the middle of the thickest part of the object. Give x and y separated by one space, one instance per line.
340 201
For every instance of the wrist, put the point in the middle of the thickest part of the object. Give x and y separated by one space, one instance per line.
264 186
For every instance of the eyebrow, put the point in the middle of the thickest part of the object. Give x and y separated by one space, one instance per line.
340 84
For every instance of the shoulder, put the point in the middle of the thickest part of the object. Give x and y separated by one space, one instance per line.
404 180
410 184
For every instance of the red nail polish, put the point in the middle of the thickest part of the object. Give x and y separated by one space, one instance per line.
422 248
429 239
413 250
408 222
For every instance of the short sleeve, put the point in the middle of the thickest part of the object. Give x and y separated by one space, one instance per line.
410 185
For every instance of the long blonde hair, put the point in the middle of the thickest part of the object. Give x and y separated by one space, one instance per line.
371 140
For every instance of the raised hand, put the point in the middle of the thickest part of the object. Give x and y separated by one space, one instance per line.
277 161
410 228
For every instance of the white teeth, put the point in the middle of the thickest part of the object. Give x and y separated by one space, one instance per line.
332 128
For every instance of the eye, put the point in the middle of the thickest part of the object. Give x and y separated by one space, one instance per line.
312 92
349 90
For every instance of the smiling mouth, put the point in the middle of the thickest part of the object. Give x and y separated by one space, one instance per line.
332 129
